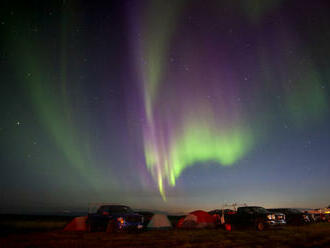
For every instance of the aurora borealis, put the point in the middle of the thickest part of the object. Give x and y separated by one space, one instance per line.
206 121
169 105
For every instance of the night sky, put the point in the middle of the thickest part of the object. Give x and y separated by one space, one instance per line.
169 105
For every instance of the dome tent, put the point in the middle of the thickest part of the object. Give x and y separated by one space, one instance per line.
159 221
197 219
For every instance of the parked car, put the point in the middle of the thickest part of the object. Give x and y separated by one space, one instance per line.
294 216
255 217
111 218
321 217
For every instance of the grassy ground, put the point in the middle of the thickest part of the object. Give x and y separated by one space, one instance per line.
317 235
11 223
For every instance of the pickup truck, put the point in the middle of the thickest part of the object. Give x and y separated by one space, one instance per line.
255 217
112 218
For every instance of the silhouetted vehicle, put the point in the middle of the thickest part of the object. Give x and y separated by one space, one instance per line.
111 218
255 217
294 216
321 217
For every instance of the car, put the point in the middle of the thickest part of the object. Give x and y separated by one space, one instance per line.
321 217
294 216
255 217
113 218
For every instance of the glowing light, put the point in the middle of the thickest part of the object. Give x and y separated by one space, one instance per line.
197 144
197 135
307 101
209 106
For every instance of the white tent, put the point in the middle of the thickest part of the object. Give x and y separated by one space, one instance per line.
159 221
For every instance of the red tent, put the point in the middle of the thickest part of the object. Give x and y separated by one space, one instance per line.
77 224
203 217
197 219
180 222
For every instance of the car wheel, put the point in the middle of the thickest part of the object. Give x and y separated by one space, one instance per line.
260 226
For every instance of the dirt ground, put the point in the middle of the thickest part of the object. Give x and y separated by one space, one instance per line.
316 235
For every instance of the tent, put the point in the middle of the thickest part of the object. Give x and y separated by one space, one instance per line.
77 224
197 219
190 221
180 222
159 221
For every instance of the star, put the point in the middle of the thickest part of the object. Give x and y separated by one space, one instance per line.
18 123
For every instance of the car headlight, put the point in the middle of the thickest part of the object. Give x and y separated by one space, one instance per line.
271 216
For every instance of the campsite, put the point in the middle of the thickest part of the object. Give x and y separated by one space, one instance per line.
48 231
165 123
317 235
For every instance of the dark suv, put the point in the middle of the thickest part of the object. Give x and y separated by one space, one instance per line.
112 218
257 217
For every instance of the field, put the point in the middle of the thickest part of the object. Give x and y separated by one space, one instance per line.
45 232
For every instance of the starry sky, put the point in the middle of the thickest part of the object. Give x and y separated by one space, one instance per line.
169 105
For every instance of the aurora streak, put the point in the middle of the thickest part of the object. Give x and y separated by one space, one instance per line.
203 112
169 105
